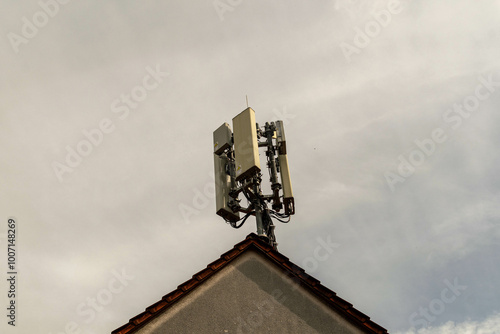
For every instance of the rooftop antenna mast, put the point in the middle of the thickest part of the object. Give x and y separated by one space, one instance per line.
238 172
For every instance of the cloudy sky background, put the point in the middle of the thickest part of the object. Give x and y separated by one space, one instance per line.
347 123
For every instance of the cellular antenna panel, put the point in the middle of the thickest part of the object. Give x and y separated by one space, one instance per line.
222 139
286 183
280 130
222 189
246 146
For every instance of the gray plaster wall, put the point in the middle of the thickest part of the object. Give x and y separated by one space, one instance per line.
249 295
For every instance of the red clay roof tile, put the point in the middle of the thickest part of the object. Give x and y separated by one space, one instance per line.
309 279
141 318
232 253
217 264
125 329
341 302
242 245
173 295
324 291
278 257
188 285
157 306
203 274
360 315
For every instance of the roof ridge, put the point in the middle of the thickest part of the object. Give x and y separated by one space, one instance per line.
253 241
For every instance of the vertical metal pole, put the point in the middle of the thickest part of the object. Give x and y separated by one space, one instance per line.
258 206
232 169
260 223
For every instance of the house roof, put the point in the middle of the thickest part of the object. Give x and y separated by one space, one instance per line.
298 274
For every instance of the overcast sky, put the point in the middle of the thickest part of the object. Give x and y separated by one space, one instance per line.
391 115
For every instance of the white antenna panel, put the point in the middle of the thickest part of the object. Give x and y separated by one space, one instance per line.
246 147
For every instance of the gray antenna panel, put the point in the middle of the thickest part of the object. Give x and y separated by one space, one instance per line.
222 139
222 188
286 183
246 147
280 134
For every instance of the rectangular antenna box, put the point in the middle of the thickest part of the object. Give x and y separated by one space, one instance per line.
222 138
280 129
246 146
222 189
286 183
